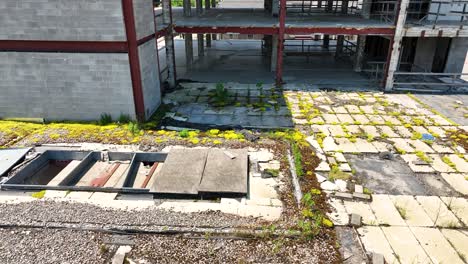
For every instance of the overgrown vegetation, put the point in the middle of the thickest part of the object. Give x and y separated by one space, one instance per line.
220 96
105 119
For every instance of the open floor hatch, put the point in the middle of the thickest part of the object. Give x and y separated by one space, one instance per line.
187 172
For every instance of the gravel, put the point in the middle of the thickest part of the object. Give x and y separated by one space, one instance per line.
21 246
179 249
67 212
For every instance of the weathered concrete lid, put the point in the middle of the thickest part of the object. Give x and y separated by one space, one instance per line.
9 158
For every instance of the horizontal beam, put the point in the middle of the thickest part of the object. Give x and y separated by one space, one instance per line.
341 31
220 30
63 46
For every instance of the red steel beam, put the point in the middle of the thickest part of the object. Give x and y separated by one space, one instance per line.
240 30
105 176
150 174
132 42
161 33
341 31
63 46
146 39
281 32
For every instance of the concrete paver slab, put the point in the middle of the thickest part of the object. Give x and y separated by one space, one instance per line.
339 216
345 118
79 195
458 240
362 209
413 212
374 241
330 118
223 173
435 244
439 165
412 159
458 206
385 211
457 181
438 211
388 131
403 131
182 171
460 163
405 245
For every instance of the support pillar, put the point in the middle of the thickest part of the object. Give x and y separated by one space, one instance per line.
188 50
213 3
359 56
187 6
329 6
339 46
275 7
169 40
207 4
280 45
201 46
395 45
326 41
208 40
274 53
199 7
344 7
366 9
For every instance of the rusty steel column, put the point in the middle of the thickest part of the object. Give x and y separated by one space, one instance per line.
281 29
395 45
169 40
133 57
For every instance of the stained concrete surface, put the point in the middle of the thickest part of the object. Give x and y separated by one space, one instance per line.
182 172
225 171
395 177
349 246
448 106
9 157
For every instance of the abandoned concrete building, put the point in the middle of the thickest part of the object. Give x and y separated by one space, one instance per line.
77 59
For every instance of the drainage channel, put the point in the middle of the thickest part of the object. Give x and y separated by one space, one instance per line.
177 174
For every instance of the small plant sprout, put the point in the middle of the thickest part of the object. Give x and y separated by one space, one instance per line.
402 211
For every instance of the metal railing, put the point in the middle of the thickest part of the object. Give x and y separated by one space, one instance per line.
419 12
447 81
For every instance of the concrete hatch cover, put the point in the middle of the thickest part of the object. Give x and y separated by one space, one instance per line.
182 172
9 157
225 171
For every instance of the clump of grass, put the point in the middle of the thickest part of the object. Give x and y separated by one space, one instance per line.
38 195
336 173
124 119
367 191
402 211
184 133
105 119
447 161
423 156
134 128
297 160
272 172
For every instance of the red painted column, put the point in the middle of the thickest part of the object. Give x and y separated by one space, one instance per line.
281 31
135 72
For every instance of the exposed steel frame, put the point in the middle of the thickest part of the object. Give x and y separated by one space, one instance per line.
64 46
135 73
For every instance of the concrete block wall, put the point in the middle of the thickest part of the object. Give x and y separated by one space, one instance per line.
144 17
150 76
74 85
85 20
65 86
